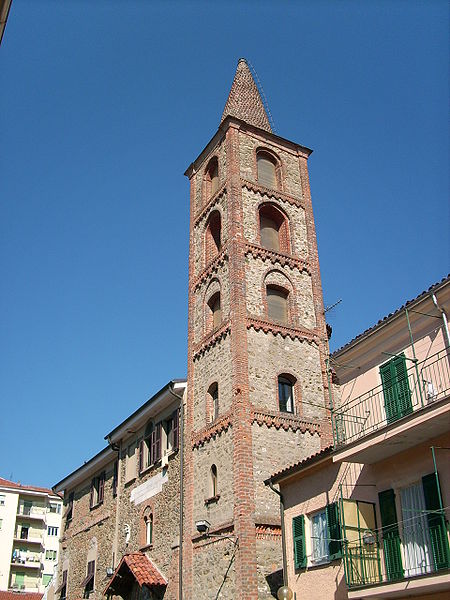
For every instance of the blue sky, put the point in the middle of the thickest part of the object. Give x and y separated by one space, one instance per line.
103 106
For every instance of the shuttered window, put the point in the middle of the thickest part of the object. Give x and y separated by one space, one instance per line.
391 536
334 531
270 235
298 536
277 304
97 490
436 522
396 392
266 170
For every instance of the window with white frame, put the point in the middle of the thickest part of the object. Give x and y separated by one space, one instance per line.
2 499
52 530
55 507
319 541
317 537
50 554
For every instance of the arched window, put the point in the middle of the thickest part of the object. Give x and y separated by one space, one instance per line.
277 304
267 169
148 520
212 177
215 316
213 393
213 235
273 229
213 481
286 393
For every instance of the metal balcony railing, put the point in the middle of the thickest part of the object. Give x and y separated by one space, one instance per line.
391 559
420 385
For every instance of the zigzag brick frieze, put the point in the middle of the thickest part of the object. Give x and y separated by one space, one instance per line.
277 257
269 193
214 200
286 422
212 339
264 532
211 431
294 333
212 267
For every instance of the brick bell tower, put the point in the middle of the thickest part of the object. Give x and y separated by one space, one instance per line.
257 386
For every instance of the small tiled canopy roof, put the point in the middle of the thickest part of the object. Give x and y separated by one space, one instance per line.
134 567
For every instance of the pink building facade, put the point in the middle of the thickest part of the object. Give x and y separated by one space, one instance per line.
368 516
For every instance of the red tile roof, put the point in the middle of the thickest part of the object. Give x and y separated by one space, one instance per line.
142 569
20 595
19 486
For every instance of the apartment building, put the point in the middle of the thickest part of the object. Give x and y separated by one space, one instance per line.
30 526
367 517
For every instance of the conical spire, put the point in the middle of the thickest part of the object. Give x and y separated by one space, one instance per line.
244 101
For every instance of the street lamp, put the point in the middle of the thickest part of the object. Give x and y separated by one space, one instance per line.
284 593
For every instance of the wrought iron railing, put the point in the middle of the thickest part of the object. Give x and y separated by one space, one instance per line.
418 386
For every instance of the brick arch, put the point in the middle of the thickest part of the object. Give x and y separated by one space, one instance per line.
274 212
210 186
209 407
284 282
277 162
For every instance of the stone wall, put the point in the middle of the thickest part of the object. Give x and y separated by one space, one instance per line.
214 572
218 281
220 204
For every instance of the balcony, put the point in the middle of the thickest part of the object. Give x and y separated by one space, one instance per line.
27 561
403 412
32 538
30 513
391 568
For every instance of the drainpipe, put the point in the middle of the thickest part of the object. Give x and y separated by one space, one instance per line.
118 449
444 318
181 453
414 355
283 533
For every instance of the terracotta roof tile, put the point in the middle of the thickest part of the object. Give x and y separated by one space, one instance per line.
19 486
244 101
142 569
20 595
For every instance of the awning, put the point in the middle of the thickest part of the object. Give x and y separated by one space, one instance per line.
134 567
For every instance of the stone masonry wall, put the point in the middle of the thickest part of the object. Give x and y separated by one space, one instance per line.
204 292
212 366
213 567
268 356
217 451
199 231
248 144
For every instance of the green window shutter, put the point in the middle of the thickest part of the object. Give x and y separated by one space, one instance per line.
436 522
396 392
391 536
298 535
334 531
401 378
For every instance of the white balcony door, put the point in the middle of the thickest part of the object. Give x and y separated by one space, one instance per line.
417 554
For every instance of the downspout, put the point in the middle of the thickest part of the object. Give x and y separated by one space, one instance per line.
444 318
414 355
118 449
181 526
283 533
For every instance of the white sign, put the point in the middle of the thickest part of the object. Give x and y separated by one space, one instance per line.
148 489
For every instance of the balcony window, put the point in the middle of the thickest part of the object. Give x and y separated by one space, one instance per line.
396 392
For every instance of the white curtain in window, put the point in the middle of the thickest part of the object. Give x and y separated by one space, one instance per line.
416 538
319 537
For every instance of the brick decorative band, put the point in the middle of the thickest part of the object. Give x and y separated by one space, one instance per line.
285 421
268 532
278 194
212 267
212 430
277 257
210 204
212 339
292 332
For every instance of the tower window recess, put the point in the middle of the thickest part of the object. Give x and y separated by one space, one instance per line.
215 316
213 235
267 170
212 177
213 481
286 393
213 393
277 304
273 229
